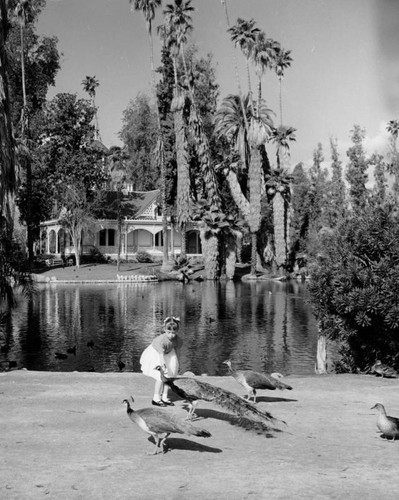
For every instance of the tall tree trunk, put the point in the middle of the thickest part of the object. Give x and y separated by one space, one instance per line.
255 172
7 144
210 252
183 179
279 229
166 266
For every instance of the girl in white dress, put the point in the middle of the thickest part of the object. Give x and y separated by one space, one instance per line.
164 350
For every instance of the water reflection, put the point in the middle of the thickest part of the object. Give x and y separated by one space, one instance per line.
266 326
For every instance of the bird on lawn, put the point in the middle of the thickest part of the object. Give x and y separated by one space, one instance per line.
72 350
121 365
251 380
193 390
389 426
60 355
160 424
383 370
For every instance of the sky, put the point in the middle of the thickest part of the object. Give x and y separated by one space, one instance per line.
345 68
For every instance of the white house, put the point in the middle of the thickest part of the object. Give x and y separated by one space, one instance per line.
141 230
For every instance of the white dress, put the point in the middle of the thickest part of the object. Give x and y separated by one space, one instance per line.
151 358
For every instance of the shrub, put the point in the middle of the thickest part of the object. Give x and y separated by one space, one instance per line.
143 257
353 288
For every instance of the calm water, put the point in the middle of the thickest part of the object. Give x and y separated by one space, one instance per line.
266 326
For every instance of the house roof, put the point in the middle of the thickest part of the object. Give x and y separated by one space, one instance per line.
133 204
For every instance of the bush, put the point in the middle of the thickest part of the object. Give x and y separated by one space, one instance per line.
143 257
353 288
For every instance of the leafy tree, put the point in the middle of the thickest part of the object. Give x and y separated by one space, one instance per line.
148 8
67 148
356 173
11 262
353 287
139 134
34 62
300 214
393 165
335 205
76 214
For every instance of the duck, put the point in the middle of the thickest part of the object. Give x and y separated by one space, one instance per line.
160 423
383 370
252 380
72 350
60 355
389 426
90 344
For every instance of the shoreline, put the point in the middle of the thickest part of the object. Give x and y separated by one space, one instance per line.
66 435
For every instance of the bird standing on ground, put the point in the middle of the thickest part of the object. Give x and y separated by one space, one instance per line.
193 390
251 381
389 426
161 423
60 355
383 370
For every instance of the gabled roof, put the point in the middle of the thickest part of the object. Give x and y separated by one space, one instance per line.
133 204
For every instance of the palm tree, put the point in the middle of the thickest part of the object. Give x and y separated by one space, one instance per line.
178 25
243 35
263 54
282 136
24 10
278 187
7 146
283 61
118 169
230 124
148 8
89 85
11 267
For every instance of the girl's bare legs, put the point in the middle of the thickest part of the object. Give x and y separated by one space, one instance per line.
158 390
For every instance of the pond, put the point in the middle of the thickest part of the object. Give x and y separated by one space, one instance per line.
265 325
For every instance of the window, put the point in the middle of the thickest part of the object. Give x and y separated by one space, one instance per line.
111 237
159 239
107 237
103 235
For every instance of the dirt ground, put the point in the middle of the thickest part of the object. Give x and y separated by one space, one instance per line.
67 436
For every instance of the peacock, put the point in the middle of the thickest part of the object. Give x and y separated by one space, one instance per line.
193 390
389 426
160 424
383 370
251 380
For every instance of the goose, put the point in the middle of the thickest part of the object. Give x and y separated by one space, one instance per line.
251 380
161 423
389 426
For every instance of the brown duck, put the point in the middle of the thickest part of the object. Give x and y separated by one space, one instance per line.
251 381
389 426
383 370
